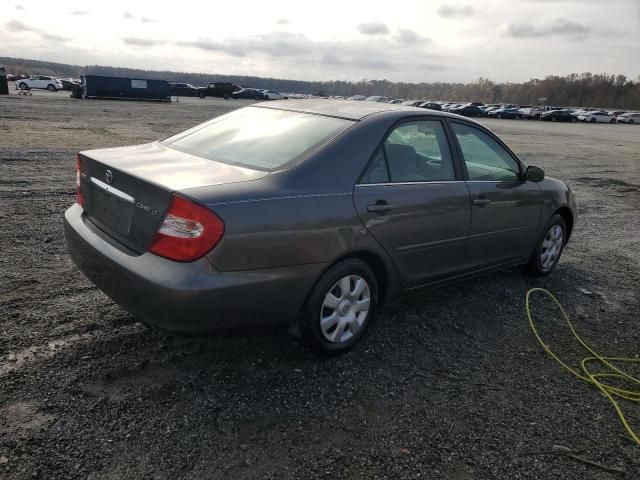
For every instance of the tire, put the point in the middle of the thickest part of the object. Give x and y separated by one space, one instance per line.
593 120
554 119
540 265
202 94
52 88
350 321
23 86
225 96
630 120
257 98
499 115
613 120
574 119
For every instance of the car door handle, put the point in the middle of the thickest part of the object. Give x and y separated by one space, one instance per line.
482 202
380 207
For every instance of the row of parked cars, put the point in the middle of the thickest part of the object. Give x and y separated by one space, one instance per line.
225 90
512 111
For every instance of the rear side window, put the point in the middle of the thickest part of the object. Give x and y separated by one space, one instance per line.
259 138
415 151
485 158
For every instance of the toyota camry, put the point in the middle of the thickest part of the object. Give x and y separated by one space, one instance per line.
309 214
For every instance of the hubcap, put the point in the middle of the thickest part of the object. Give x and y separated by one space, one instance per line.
551 247
345 308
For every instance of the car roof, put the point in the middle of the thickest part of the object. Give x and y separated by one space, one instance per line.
348 109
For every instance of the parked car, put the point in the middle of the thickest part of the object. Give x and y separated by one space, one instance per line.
183 90
303 225
69 83
468 111
249 93
218 89
559 116
377 98
412 103
273 95
629 117
596 117
431 106
396 101
357 98
43 82
511 112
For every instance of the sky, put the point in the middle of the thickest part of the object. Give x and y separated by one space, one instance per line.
412 40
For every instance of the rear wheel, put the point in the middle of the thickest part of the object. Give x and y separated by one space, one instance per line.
226 96
341 307
547 252
574 119
613 120
630 120
593 120
23 86
202 94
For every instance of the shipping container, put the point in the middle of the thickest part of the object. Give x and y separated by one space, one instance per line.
98 86
4 85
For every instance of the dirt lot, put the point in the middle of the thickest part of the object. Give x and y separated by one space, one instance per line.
450 384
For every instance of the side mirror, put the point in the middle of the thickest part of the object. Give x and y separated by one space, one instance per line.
534 174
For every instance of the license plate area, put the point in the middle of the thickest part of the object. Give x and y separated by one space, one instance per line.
112 207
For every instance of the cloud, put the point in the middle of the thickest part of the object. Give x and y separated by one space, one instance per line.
283 21
276 44
17 26
128 15
147 20
559 27
456 11
79 13
373 28
19 7
408 37
53 37
142 42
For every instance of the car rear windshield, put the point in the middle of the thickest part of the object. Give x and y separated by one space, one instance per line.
259 138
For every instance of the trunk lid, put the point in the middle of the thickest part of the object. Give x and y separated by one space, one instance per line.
127 189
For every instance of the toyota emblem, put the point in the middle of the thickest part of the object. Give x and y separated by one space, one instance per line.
108 176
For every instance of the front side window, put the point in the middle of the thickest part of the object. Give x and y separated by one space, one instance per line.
259 138
485 158
418 152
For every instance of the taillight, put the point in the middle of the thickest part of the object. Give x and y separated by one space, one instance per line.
79 196
187 232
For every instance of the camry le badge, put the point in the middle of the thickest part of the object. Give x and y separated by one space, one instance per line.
108 177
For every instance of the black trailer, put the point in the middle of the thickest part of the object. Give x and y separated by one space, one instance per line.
4 85
98 86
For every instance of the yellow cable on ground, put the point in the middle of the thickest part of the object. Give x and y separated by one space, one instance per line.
613 373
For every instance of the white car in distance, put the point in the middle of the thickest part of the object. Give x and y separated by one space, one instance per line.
43 82
273 95
596 117
630 117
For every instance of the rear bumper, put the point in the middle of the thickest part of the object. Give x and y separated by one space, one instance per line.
186 297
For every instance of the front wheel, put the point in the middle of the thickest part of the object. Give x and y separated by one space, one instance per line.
23 86
593 120
630 121
340 308
202 94
547 252
574 119
51 88
613 120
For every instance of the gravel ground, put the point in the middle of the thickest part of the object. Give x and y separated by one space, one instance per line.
449 384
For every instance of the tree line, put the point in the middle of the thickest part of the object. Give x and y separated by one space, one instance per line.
583 89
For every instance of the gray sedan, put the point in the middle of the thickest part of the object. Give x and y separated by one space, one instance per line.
308 214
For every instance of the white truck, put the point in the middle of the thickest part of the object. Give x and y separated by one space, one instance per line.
43 82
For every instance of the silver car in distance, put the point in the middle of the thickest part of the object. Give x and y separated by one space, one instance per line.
309 214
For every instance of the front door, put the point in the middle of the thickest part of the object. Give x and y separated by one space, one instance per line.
505 209
413 202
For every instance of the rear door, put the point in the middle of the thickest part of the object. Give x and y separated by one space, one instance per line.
414 201
505 209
